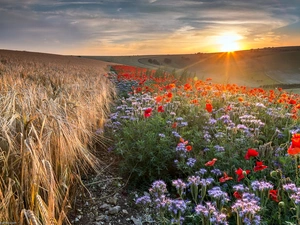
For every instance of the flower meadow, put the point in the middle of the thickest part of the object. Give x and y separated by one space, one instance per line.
207 153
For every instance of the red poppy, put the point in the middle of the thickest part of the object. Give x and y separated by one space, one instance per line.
187 87
259 166
211 163
225 178
158 99
228 108
194 101
237 195
174 125
209 107
172 86
240 174
251 153
273 195
160 109
292 102
294 149
147 112
188 148
169 95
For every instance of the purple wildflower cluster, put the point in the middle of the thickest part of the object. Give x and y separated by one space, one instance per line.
177 206
210 212
179 185
292 189
261 185
240 188
144 200
247 207
191 162
218 194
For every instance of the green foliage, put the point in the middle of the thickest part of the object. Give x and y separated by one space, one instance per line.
146 156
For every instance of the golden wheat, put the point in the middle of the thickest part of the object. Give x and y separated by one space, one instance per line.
50 108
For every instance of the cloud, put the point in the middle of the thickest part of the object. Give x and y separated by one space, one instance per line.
142 24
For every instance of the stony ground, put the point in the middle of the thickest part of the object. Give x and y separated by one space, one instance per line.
106 199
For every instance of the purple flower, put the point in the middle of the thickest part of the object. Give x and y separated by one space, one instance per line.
202 171
225 119
176 134
144 200
212 121
205 210
261 186
217 172
191 162
218 218
181 148
291 187
158 188
194 180
248 205
211 212
162 202
206 182
179 185
296 197
240 188
217 193
177 206
219 148
207 136
162 135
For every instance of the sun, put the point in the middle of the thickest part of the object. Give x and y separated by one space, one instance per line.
229 42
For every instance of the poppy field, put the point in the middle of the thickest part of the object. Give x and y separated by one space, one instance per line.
206 153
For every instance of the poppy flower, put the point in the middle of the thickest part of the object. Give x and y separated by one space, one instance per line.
251 153
225 178
147 112
228 108
294 149
209 107
194 101
174 125
160 109
273 195
211 163
187 87
169 95
188 148
237 195
292 102
158 99
240 173
259 166
172 86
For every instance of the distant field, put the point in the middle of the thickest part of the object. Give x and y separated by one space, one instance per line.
270 66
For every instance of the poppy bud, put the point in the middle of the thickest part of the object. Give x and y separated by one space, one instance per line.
244 173
281 204
274 174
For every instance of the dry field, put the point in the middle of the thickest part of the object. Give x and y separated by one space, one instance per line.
51 110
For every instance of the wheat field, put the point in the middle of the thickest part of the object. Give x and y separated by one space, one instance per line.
50 109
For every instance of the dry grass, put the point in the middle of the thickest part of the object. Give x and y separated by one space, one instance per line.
50 108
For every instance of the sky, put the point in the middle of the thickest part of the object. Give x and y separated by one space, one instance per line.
147 27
